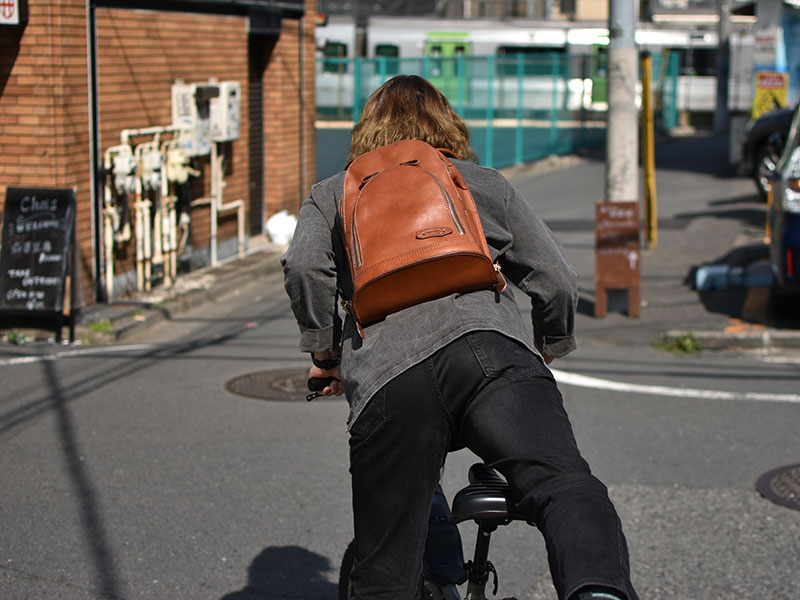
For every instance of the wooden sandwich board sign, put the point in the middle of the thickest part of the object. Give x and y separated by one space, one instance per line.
617 255
37 251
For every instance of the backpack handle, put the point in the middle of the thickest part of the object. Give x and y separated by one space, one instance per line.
455 175
449 153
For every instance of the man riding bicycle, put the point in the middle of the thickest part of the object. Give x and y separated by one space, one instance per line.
462 370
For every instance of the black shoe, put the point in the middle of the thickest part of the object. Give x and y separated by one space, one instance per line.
597 594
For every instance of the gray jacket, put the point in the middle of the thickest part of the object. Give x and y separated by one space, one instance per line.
530 257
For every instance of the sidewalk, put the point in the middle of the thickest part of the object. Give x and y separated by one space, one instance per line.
706 216
116 321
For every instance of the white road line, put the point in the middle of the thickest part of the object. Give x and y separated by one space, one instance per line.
562 377
26 360
781 360
596 383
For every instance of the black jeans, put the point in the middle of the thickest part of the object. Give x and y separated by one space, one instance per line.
494 396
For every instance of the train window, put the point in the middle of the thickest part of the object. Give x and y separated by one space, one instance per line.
387 50
334 50
459 51
537 60
435 52
391 53
697 61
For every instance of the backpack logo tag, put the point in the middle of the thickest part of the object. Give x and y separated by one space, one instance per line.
436 232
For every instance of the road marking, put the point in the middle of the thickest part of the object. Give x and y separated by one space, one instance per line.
596 383
563 377
781 360
36 358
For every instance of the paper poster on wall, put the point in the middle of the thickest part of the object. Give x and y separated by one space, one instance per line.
771 92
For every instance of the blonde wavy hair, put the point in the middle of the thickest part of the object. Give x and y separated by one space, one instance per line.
408 107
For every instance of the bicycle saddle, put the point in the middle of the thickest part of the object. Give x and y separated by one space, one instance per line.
486 500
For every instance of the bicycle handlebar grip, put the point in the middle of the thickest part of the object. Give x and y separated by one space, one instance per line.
317 384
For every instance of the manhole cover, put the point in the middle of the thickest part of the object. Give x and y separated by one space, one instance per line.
283 385
782 486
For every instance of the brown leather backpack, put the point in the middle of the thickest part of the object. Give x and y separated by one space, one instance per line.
411 231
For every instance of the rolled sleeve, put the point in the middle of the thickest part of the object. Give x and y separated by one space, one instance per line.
310 279
537 264
556 346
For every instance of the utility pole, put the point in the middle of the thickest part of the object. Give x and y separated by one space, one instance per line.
721 115
617 256
622 131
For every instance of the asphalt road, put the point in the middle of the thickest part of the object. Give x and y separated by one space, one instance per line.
131 472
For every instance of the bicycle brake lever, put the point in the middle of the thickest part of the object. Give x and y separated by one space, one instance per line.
490 569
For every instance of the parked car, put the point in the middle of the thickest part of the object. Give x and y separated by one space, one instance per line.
764 141
783 214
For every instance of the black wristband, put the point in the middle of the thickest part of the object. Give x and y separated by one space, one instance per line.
326 364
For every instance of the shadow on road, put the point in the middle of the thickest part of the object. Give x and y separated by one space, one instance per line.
751 214
758 306
103 558
287 572
57 399
703 153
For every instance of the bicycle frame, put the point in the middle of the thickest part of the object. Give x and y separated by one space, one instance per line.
485 501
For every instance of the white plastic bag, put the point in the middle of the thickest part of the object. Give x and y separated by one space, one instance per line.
280 228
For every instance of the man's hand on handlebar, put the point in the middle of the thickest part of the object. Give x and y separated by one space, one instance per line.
323 377
335 387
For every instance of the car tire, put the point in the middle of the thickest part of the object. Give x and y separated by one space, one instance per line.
767 158
785 307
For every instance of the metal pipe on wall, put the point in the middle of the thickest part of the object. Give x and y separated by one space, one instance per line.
218 160
216 204
95 189
154 209
117 180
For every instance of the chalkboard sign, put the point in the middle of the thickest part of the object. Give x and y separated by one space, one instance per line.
38 230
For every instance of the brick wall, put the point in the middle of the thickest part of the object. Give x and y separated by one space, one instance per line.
140 55
44 109
283 123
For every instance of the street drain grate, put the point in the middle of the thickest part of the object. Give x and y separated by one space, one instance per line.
282 385
782 486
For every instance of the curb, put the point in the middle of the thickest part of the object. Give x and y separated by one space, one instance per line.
204 286
757 338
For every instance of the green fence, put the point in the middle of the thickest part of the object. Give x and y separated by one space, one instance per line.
519 107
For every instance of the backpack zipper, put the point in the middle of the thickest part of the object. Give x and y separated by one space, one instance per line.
356 243
449 201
